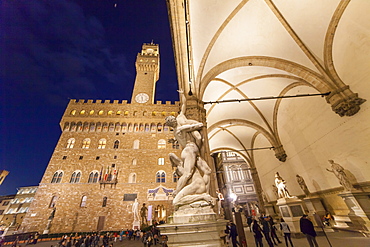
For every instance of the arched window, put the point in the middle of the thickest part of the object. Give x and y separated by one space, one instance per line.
75 178
111 127
83 201
66 126
82 112
165 128
136 127
53 201
175 177
134 162
79 126
160 177
70 143
161 161
141 127
136 144
116 144
147 128
132 178
153 128
93 177
110 113
162 144
86 127
86 143
91 112
130 127
175 145
159 127
102 144
98 126
73 112
101 112
57 177
105 127
104 201
124 127
73 126
118 127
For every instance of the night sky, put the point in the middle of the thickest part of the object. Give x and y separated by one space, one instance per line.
53 51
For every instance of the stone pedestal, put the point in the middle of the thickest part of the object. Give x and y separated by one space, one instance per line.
359 205
291 209
136 225
314 205
194 226
269 208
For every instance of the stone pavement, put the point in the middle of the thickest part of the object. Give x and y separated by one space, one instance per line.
337 239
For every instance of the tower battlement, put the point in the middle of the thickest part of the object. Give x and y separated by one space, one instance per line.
115 102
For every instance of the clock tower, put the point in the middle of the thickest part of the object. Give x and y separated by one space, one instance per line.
147 74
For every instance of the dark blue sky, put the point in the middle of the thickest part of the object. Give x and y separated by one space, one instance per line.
53 51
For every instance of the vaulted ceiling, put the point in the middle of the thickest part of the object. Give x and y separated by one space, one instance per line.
230 50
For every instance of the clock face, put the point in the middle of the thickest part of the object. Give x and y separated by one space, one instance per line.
142 98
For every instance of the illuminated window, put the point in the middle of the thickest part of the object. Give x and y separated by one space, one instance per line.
102 144
101 112
118 113
165 128
116 144
161 161
53 201
83 201
73 112
79 126
92 112
118 127
70 143
104 201
86 143
126 113
132 178
136 144
159 128
82 112
153 128
111 127
110 112
154 113
66 126
57 177
161 144
134 162
136 127
160 177
175 177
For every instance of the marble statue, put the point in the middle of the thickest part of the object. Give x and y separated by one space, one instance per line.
135 210
303 185
280 185
193 184
143 214
219 202
339 172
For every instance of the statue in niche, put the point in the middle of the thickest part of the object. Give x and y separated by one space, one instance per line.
303 185
135 210
339 172
143 214
194 172
280 185
219 202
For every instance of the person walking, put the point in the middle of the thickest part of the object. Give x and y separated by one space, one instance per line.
257 231
308 229
233 234
286 230
266 227
273 231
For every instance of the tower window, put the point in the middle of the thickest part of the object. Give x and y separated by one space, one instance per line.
57 177
136 144
93 177
81 157
86 143
64 157
97 157
53 201
75 178
104 201
175 177
70 143
116 144
102 144
132 178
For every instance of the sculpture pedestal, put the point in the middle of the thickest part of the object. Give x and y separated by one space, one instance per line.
194 226
136 225
291 209
269 208
314 205
359 205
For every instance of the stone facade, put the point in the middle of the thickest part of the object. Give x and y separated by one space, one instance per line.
108 154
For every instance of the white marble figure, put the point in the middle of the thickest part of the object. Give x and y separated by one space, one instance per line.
194 172
280 185
219 202
135 210
339 172
303 185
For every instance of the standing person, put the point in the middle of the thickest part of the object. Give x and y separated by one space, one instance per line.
327 219
249 222
286 230
257 230
273 231
266 227
233 234
121 235
106 240
35 238
307 229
